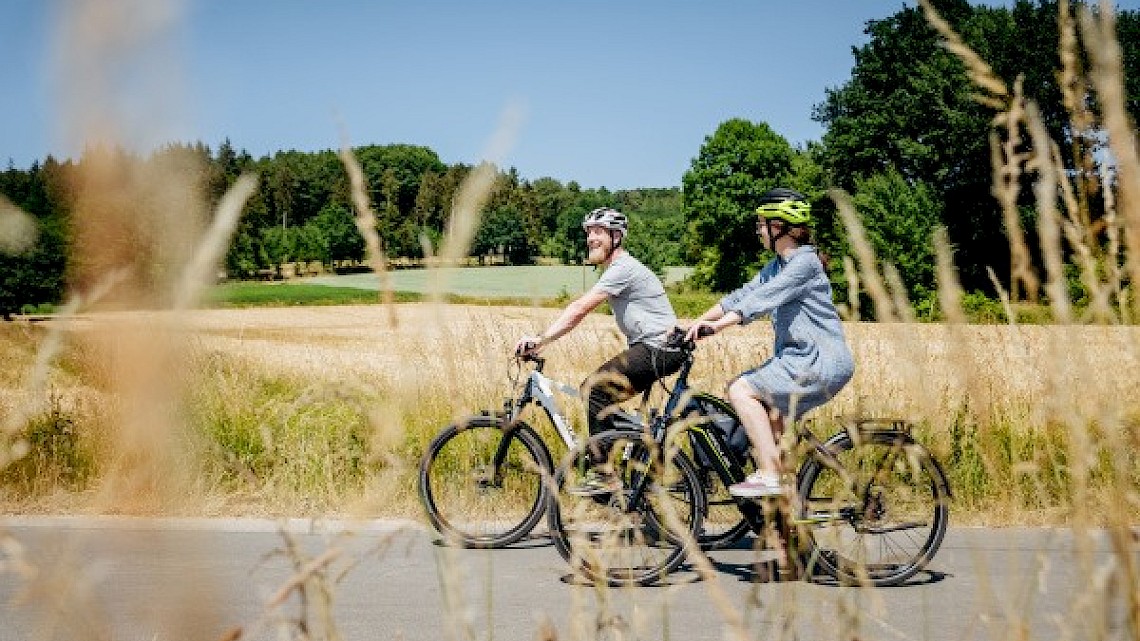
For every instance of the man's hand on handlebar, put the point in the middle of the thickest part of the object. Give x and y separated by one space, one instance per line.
528 346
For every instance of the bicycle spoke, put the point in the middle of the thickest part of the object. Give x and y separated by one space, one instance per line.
879 507
624 536
471 500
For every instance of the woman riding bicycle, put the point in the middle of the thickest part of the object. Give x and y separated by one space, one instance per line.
811 361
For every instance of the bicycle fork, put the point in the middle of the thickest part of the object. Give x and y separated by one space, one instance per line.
511 410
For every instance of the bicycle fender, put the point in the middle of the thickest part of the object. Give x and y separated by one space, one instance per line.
488 419
898 428
860 429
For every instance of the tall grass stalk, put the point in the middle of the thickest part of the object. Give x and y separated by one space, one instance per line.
366 225
473 195
18 231
1107 79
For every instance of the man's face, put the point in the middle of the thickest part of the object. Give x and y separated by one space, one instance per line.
599 242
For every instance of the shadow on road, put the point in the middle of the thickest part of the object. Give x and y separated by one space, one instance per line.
531 542
770 571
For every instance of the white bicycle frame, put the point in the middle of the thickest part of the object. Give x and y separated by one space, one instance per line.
540 388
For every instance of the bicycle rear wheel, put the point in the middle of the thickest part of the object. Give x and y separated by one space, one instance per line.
615 538
470 501
880 517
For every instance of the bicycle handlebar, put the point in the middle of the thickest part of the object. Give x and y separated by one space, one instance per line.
676 338
527 357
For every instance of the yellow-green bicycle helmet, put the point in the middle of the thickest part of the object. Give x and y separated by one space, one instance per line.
787 205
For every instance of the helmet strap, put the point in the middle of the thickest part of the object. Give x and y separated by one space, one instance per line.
614 244
773 236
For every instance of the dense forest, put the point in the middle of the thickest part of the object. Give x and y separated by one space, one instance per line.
906 135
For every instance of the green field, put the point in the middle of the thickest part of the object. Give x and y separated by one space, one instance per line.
543 286
522 282
281 293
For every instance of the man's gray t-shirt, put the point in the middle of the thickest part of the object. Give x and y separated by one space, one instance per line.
641 308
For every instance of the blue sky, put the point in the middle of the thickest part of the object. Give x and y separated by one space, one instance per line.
612 93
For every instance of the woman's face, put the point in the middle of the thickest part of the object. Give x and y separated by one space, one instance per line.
762 231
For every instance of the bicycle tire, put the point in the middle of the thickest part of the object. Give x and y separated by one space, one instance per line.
468 507
608 542
901 510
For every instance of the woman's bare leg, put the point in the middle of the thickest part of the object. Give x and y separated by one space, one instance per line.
762 425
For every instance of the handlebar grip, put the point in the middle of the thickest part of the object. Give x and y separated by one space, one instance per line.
677 338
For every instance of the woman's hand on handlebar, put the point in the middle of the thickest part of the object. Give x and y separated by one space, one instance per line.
699 330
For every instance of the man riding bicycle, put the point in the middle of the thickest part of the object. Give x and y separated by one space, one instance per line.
643 314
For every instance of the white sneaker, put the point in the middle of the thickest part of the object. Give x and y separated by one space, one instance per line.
758 484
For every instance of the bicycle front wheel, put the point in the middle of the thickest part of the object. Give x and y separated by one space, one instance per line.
621 536
879 516
483 485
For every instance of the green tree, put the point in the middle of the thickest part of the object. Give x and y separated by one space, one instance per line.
312 243
34 274
243 258
900 218
653 240
431 202
735 165
910 107
278 246
551 200
500 233
408 164
656 226
343 239
388 215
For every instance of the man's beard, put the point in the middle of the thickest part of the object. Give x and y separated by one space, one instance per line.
596 255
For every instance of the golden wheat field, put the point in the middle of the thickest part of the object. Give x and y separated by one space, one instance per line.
327 409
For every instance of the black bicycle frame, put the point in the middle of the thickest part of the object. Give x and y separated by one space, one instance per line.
725 462
659 424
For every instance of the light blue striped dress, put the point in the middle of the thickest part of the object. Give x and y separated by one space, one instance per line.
811 361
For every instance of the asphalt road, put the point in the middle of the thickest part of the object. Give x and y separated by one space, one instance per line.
154 580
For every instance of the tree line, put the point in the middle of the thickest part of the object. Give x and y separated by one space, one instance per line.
905 135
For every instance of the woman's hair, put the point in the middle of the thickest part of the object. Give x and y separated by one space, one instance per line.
802 235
